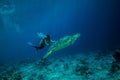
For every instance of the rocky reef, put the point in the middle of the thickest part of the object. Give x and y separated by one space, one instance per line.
95 65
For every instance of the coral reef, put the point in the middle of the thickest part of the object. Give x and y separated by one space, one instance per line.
96 65
115 67
16 76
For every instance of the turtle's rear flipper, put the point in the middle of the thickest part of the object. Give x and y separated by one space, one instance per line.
47 54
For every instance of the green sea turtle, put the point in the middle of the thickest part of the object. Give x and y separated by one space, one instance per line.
61 43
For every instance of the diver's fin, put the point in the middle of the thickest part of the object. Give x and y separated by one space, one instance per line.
29 43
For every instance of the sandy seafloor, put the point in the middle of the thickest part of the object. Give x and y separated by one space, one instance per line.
94 65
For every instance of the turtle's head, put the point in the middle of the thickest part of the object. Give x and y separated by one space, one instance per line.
76 35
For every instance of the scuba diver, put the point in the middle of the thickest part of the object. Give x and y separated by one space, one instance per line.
45 40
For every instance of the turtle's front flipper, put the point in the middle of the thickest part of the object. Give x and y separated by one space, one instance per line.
47 54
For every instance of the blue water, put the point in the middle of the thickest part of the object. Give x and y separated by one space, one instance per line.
98 22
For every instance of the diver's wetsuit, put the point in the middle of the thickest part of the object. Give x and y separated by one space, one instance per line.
44 42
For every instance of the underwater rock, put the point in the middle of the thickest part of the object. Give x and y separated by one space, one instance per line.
3 76
66 66
61 60
114 73
115 64
81 70
30 78
116 56
7 72
16 76
2 68
10 73
114 68
55 78
43 62
42 77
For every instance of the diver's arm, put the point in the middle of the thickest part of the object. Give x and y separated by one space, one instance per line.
46 42
41 35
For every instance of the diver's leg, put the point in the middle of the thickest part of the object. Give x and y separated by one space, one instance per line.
39 47
29 43
36 47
